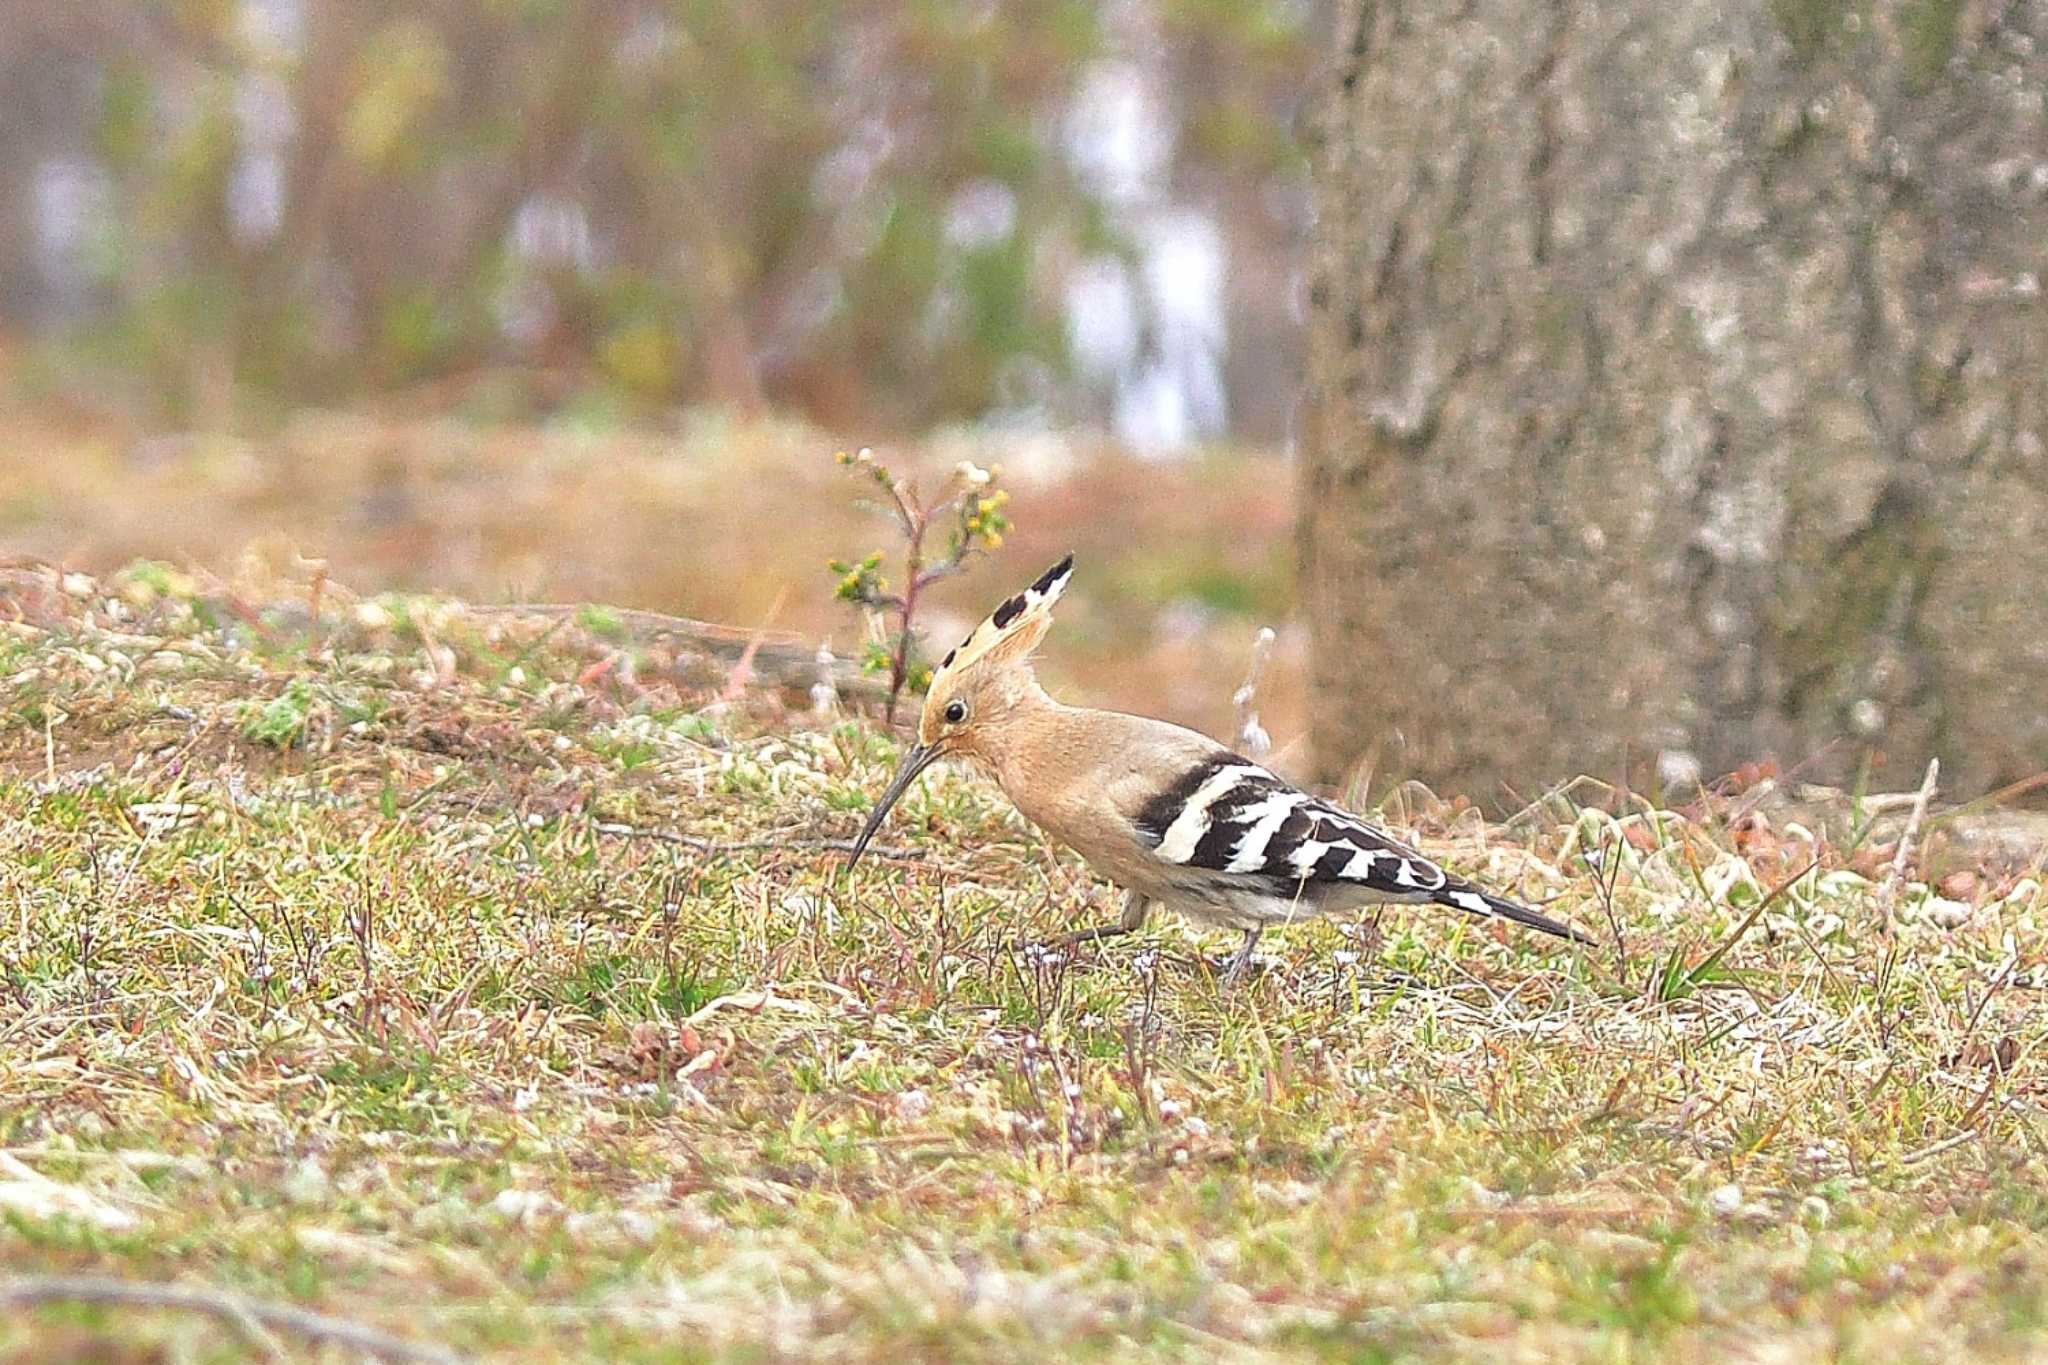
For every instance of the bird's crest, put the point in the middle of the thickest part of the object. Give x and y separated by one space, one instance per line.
1014 628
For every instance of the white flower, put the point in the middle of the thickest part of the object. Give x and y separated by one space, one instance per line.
307 1183
1945 912
522 1205
972 474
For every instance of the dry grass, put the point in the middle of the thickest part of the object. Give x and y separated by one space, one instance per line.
713 520
322 983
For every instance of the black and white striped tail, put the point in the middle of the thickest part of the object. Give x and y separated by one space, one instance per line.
1467 897
1234 820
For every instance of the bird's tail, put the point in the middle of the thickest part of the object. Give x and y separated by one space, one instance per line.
1478 902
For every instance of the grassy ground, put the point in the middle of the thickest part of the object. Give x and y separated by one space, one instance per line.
333 975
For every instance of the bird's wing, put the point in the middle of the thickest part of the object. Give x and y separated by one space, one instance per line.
1229 817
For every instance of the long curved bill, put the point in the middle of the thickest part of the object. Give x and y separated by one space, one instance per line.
919 758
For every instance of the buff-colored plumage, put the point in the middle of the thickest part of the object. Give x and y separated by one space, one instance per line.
1165 813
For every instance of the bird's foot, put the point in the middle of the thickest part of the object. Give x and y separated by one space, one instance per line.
1231 971
1366 938
1239 965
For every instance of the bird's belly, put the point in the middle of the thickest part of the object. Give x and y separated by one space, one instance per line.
1204 897
1240 907
1222 898
1243 904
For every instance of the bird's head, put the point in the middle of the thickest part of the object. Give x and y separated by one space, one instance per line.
975 688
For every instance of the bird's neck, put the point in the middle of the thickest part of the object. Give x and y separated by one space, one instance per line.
1044 747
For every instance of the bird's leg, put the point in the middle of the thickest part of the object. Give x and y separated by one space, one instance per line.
1241 964
1132 919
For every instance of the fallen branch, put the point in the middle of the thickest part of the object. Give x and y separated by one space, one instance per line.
654 623
27 1291
779 658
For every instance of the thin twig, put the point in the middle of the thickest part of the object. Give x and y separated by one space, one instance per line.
742 845
1947 1144
1992 799
1548 1213
1888 894
1251 736
25 1291
1783 782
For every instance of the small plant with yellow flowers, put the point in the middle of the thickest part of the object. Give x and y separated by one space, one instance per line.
970 510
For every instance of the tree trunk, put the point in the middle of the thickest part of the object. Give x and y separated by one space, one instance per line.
1679 386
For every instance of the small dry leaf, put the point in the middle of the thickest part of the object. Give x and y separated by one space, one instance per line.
1998 1056
1751 775
1873 861
1960 886
649 1051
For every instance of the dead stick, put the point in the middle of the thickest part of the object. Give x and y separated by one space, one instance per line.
654 622
741 845
26 1291
1888 894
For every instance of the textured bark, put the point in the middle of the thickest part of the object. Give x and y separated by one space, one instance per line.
1679 383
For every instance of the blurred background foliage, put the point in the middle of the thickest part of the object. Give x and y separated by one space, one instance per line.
881 214
1616 316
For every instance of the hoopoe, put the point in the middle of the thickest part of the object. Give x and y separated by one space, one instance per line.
1168 815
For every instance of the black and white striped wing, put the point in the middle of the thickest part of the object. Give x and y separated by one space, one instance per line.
1230 818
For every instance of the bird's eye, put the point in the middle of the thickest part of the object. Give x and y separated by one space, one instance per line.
956 711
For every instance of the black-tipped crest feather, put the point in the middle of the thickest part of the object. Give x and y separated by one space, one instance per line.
1021 607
